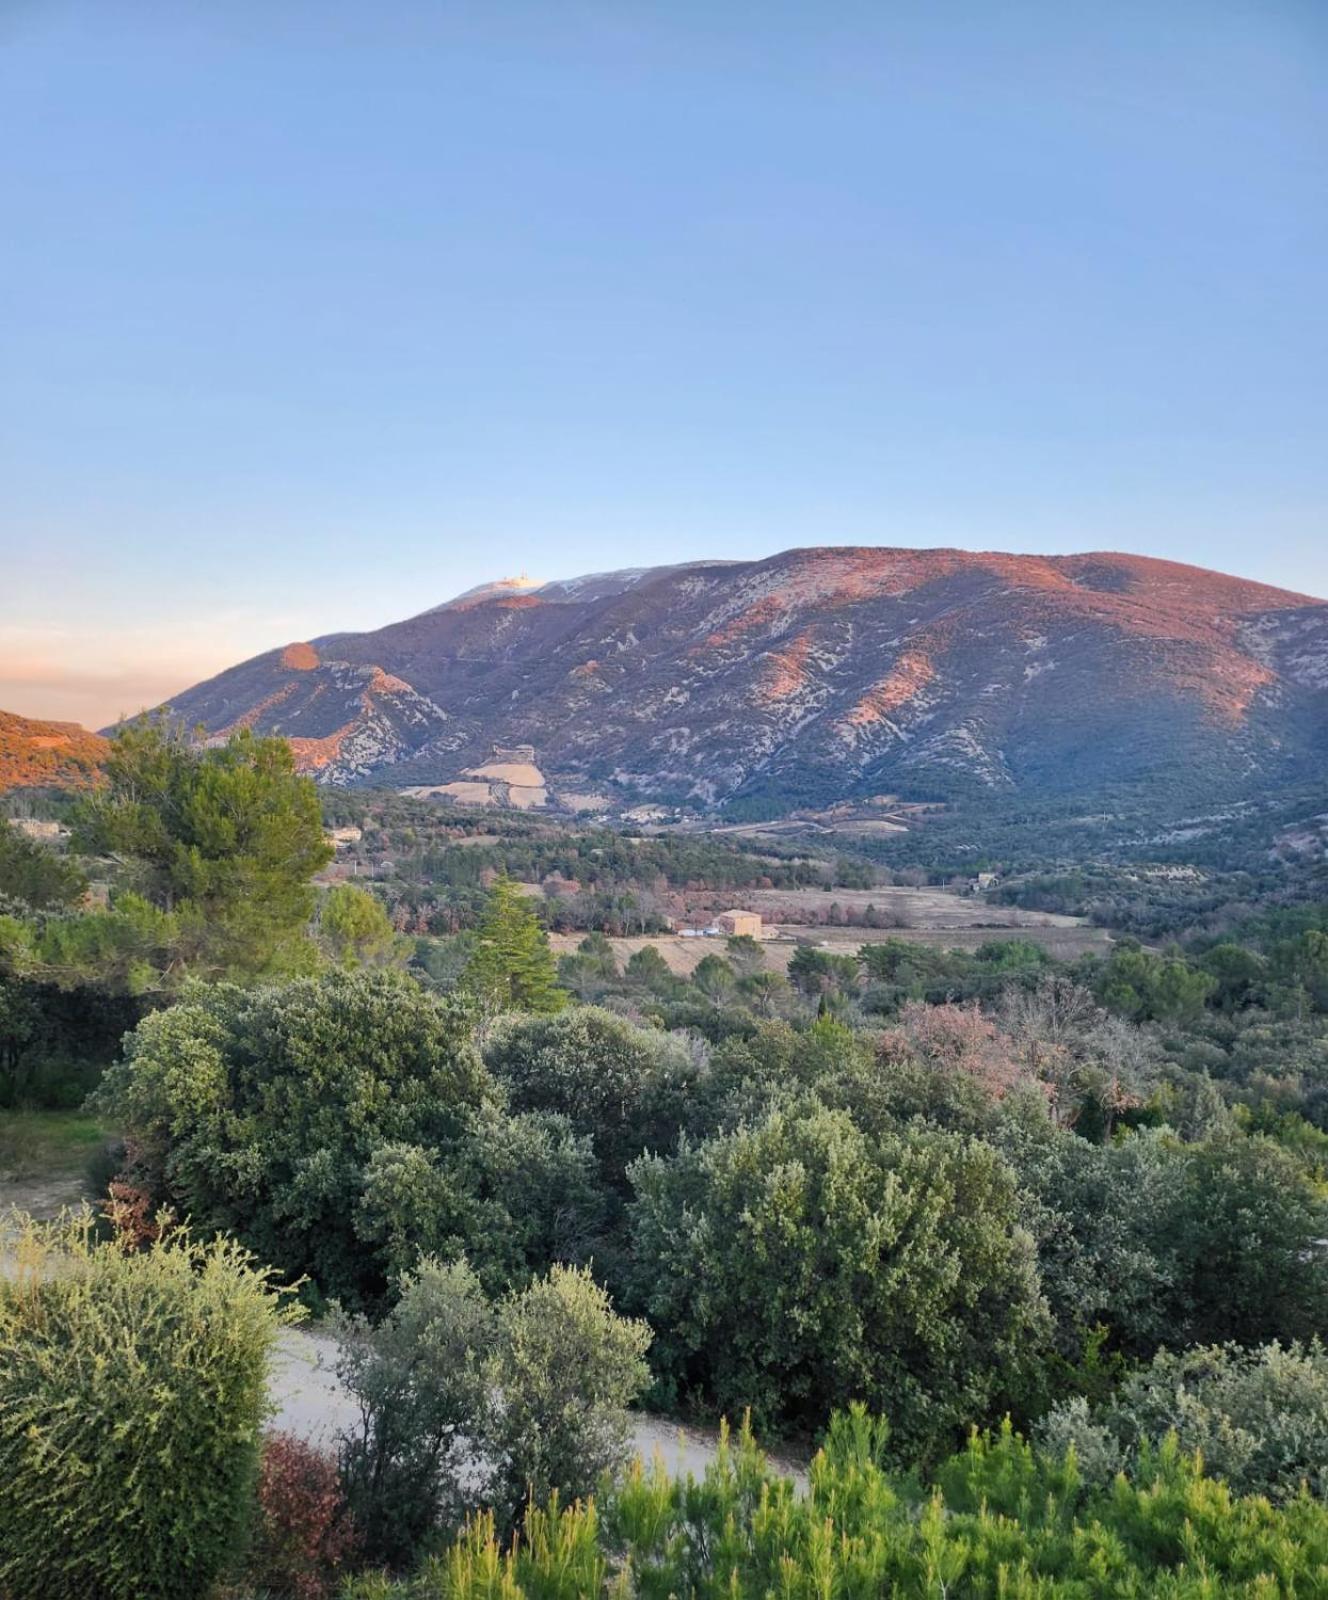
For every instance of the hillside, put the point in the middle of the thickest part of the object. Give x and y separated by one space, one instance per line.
818 674
38 755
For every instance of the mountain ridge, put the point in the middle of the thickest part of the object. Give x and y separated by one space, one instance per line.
817 672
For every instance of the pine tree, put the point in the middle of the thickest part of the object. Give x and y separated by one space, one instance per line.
224 839
513 966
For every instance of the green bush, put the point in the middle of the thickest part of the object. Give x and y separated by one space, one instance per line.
625 1088
259 1111
467 1402
418 1382
1258 1417
564 1371
132 1394
799 1264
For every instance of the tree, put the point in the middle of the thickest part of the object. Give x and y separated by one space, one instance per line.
259 1112
132 948
621 1087
1146 987
1240 975
513 967
466 1401
419 1383
1302 964
1000 1518
1250 1230
354 929
1050 1024
794 1265
649 969
565 1369
592 971
56 1039
1259 1417
132 1393
765 992
34 875
1173 1244
518 1193
745 954
714 977
959 1040
817 973
224 839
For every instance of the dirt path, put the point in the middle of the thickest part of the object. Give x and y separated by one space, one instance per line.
43 1198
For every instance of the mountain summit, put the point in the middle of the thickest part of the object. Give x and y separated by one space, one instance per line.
819 674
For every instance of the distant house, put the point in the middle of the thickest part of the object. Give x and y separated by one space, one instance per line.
983 881
739 923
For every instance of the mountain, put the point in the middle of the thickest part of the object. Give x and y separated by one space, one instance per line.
42 755
820 674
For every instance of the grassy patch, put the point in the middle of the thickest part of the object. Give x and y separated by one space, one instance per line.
46 1144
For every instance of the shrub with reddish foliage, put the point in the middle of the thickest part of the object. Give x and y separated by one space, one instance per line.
129 1211
303 1533
958 1039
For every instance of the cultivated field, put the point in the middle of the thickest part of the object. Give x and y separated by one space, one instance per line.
927 916
928 910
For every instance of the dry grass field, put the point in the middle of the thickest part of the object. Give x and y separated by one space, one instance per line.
927 910
931 916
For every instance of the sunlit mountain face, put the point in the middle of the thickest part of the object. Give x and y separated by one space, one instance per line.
818 674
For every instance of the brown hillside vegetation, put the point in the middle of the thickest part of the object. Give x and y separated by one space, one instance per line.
48 755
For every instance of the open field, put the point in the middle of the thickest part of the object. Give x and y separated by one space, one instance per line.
926 910
683 955
924 916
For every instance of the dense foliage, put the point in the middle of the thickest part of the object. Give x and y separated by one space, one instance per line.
798 1264
465 1401
222 840
36 877
1002 1522
269 1113
1258 1417
954 1184
512 967
132 1390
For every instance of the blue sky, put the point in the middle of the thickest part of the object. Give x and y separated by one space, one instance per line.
312 315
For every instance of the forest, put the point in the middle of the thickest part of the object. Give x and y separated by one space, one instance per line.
1017 1266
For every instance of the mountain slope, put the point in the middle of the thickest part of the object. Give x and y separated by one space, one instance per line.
56 755
820 673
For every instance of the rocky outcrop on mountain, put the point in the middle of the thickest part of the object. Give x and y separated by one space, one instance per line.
819 674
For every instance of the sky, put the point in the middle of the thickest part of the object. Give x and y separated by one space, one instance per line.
313 315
